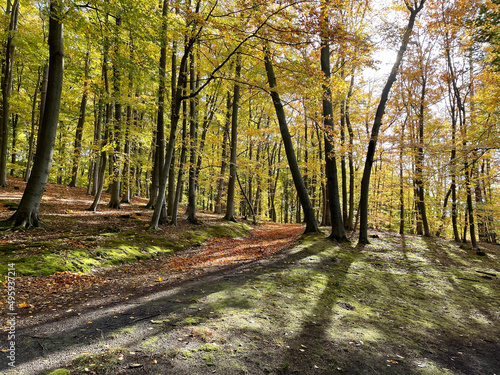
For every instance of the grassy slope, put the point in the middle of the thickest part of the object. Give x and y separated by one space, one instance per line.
397 306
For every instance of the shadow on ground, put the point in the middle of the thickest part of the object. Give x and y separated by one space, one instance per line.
397 306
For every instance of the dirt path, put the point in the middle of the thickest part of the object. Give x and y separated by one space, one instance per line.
76 320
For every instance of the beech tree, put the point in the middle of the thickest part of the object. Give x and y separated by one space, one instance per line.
414 8
27 214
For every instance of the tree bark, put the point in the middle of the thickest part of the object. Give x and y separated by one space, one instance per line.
27 214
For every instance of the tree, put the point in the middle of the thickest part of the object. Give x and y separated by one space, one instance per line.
234 143
310 219
6 90
338 231
27 214
414 9
79 127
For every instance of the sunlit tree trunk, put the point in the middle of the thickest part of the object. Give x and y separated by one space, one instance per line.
28 212
193 140
338 230
115 177
234 144
365 182
309 218
225 136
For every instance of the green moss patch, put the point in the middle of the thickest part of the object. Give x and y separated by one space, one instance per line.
45 258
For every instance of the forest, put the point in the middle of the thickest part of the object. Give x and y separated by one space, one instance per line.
280 111
319 176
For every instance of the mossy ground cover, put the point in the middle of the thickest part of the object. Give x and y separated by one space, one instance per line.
76 240
397 306
401 305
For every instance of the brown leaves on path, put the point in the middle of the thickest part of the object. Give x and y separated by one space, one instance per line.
66 293
264 241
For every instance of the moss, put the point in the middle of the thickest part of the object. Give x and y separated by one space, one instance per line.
209 359
100 364
128 329
209 347
187 354
193 320
116 247
60 371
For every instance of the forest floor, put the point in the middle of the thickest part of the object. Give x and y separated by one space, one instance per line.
99 293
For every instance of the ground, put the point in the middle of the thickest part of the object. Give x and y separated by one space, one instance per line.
225 298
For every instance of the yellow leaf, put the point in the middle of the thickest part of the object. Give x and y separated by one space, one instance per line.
159 278
23 305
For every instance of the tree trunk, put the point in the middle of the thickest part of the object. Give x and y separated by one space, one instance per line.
77 150
31 143
27 214
350 217
171 175
6 90
338 231
225 136
101 171
193 135
365 182
182 162
420 161
114 201
176 105
310 220
234 144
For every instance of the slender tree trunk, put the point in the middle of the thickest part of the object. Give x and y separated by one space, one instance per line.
365 182
350 218
338 230
99 178
98 113
28 212
176 105
193 135
310 220
6 90
401 182
234 144
114 201
420 162
207 120
225 136
77 150
31 142
182 162
15 122
126 191
171 195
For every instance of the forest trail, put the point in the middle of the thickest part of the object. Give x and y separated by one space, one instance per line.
116 297
266 301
